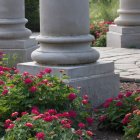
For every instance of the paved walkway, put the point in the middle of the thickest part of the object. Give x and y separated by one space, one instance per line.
127 62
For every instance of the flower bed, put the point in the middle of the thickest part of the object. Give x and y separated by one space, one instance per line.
49 125
37 94
44 108
122 114
99 30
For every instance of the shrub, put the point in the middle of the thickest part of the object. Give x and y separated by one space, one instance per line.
99 30
22 92
32 14
101 41
3 58
103 10
47 126
132 130
115 109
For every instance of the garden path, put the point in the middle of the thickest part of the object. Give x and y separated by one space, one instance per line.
127 61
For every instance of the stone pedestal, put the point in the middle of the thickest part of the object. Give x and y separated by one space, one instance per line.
65 44
123 36
97 79
14 37
126 32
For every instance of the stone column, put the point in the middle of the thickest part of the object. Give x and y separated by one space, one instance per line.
126 32
64 37
14 37
65 44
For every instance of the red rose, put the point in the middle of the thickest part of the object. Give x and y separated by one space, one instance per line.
14 114
72 114
79 132
85 101
72 96
40 136
89 120
109 100
1 72
119 104
81 125
8 121
25 73
85 97
106 104
67 125
24 113
52 111
48 119
89 133
125 121
39 75
11 126
48 70
35 110
30 125
102 118
128 94
33 89
28 81
120 96
5 92
1 82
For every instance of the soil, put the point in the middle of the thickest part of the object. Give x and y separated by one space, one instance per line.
107 135
111 135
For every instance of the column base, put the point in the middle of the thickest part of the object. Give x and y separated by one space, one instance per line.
18 51
123 36
98 80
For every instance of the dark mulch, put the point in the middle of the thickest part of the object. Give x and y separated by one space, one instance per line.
111 135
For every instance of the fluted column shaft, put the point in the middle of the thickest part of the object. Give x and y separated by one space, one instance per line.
64 37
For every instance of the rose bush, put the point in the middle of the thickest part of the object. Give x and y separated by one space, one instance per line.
132 129
99 30
47 126
21 93
112 115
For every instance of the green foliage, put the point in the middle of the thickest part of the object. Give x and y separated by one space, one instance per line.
116 109
2 58
101 41
132 130
99 30
49 92
32 14
51 126
103 10
10 60
21 92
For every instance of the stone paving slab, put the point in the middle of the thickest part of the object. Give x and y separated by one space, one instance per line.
127 62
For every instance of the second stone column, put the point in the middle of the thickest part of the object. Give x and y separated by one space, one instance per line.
64 37
126 32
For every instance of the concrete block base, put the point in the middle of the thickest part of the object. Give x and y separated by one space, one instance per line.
18 51
97 80
123 36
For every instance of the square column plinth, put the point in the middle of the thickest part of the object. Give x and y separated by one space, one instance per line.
123 36
18 51
98 80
